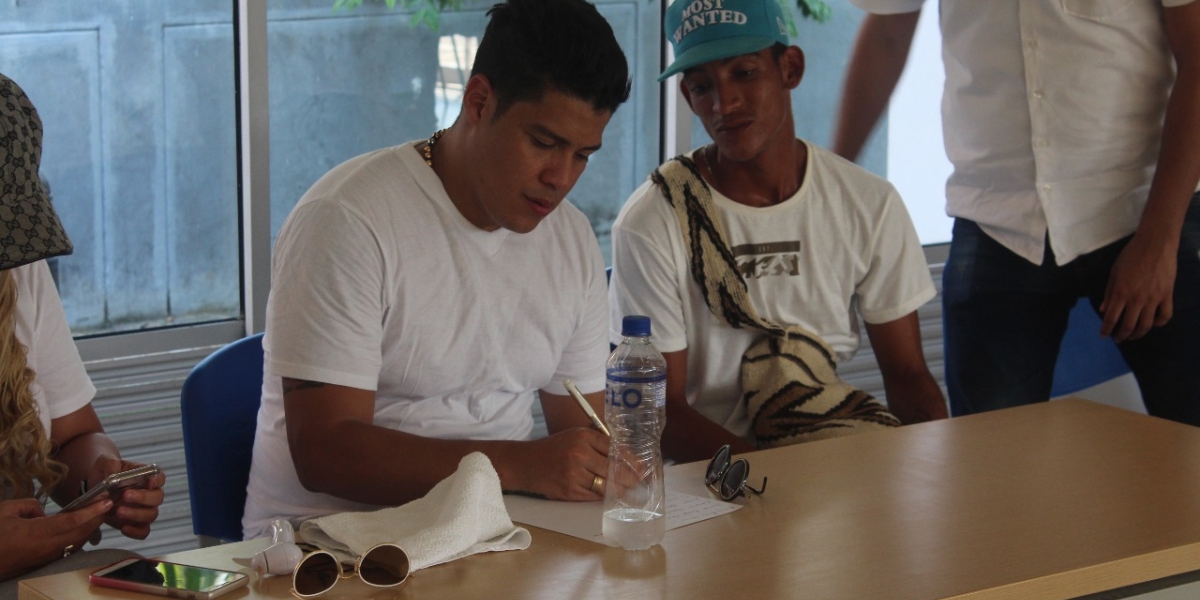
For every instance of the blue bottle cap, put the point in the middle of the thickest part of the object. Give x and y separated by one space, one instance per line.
635 326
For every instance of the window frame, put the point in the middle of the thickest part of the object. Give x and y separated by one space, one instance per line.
254 224
254 186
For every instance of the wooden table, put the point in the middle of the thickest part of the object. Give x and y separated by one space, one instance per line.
1054 501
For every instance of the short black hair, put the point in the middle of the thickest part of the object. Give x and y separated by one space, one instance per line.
530 46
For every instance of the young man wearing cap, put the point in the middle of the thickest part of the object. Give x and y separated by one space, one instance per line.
817 240
425 295
1074 131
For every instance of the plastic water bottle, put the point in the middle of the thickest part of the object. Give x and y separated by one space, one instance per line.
635 410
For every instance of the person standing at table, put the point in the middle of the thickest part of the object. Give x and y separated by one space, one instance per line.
51 441
1074 130
817 240
425 294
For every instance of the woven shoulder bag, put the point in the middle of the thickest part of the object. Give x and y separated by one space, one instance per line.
789 377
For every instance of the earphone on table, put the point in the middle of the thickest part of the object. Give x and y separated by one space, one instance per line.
282 556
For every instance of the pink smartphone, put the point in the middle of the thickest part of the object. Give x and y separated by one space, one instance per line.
168 579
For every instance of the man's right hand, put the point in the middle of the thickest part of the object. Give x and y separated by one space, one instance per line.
337 449
562 466
29 539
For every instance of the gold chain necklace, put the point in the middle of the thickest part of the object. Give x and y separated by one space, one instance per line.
430 143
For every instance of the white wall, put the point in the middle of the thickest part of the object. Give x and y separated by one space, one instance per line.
1121 392
916 158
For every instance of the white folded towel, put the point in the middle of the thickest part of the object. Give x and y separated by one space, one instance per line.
462 515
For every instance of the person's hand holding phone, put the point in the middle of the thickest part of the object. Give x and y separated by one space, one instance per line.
29 539
134 507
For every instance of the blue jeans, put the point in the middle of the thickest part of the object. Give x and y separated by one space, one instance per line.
1004 319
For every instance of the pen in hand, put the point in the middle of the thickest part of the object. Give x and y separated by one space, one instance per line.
587 408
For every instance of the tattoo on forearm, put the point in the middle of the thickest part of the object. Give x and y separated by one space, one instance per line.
524 493
291 385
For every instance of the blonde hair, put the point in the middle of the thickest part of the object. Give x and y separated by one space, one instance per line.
25 446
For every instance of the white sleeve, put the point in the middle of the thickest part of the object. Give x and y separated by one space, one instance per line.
897 281
326 310
645 278
888 7
60 378
583 358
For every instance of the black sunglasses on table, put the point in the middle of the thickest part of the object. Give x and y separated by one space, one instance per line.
729 479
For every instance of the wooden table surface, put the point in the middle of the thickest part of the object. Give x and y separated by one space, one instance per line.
1049 501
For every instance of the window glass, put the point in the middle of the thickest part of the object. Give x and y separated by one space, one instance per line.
137 101
348 81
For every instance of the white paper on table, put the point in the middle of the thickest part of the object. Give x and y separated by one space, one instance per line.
584 519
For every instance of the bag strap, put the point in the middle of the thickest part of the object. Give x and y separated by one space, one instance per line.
797 395
711 261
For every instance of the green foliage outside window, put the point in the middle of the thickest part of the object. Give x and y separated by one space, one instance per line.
428 12
425 12
816 10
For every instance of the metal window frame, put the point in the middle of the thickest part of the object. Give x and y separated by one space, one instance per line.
254 184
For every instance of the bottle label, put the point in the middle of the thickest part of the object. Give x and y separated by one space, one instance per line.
627 397
628 393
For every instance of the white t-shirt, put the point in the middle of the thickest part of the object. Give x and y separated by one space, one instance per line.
843 243
1052 115
61 385
379 283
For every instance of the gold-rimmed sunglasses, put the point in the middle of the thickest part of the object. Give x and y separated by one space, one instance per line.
384 565
729 479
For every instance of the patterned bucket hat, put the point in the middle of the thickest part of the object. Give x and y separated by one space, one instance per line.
29 228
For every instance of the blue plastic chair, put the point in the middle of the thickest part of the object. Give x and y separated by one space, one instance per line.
219 405
1085 359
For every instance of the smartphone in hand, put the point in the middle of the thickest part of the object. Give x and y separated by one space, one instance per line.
114 483
168 579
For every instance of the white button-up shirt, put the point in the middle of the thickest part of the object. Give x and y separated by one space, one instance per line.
1052 115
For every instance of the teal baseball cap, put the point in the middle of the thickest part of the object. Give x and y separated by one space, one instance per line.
706 30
